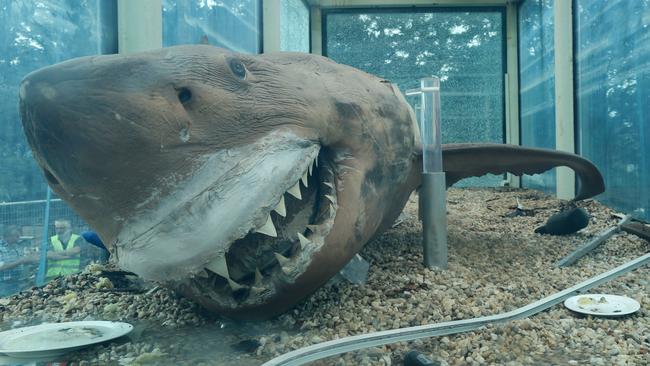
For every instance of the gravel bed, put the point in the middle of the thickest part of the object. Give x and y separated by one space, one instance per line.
496 264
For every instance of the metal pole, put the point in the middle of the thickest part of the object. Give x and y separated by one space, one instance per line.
434 188
592 244
40 277
433 196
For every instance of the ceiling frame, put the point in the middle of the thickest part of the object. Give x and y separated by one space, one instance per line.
409 3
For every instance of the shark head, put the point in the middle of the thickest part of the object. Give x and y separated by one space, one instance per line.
243 181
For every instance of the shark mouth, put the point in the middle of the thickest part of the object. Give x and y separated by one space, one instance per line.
279 250
255 227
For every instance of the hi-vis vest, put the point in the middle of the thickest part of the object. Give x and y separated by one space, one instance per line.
62 267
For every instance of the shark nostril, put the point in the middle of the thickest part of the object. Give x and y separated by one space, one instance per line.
51 178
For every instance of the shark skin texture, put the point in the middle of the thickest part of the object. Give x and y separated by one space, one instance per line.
244 182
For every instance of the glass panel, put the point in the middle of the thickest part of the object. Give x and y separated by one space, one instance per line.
537 83
465 49
294 26
231 24
33 35
613 104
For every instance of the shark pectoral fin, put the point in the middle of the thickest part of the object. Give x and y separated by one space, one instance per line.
473 160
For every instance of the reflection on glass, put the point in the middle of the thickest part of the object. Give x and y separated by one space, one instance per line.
464 49
294 26
231 24
537 83
613 105
34 35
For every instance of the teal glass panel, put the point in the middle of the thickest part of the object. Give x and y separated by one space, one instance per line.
537 84
34 34
294 26
231 24
612 40
464 48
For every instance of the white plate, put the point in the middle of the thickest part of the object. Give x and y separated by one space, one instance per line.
53 339
602 304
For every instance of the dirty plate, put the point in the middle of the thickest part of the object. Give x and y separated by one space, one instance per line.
602 304
53 339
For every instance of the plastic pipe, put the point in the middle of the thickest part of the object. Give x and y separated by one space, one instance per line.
40 276
430 125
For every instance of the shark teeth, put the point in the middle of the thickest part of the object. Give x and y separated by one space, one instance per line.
202 273
295 191
312 236
219 266
258 277
281 259
258 290
304 242
234 285
305 180
281 209
268 228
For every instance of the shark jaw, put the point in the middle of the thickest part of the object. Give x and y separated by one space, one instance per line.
247 219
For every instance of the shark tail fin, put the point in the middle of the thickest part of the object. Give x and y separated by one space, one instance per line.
473 160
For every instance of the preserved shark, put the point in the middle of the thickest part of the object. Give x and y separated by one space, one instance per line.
241 181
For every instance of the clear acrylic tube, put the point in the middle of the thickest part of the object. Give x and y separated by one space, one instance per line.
430 124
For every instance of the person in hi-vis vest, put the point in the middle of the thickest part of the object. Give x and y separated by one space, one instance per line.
63 255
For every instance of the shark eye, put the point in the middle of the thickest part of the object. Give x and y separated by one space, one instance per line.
184 95
237 68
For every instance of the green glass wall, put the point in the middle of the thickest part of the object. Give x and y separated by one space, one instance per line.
465 48
612 66
294 26
231 24
537 84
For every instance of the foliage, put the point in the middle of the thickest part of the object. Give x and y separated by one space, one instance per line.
34 34
463 48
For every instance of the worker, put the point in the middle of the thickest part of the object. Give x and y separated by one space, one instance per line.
12 261
64 254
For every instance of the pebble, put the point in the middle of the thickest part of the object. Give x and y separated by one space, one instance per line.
496 264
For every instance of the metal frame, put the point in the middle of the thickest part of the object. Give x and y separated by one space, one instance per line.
271 25
316 30
564 96
410 3
139 25
513 130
